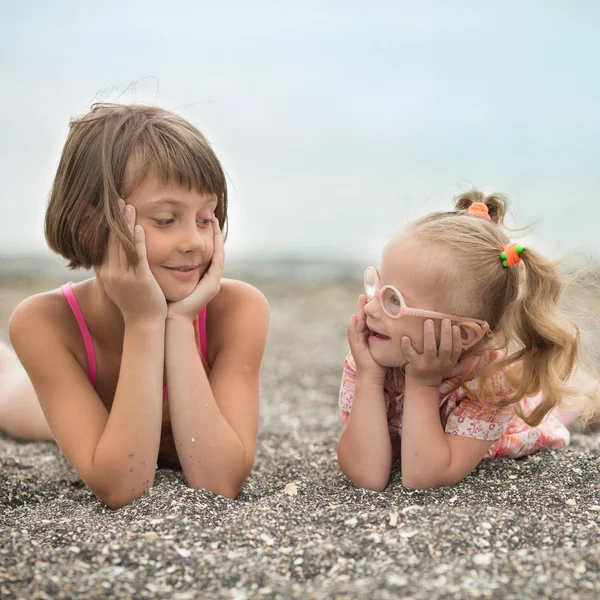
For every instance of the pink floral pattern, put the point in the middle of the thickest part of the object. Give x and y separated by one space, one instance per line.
462 414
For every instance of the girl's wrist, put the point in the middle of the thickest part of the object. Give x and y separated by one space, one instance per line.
371 378
177 317
423 383
145 322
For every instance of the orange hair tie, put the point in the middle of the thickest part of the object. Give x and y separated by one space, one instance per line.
511 255
479 209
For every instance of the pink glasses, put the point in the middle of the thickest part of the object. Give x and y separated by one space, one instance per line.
394 306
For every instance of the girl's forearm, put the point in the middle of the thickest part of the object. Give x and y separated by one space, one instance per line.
126 454
211 454
365 448
425 450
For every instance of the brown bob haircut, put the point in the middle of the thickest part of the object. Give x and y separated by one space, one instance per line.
108 152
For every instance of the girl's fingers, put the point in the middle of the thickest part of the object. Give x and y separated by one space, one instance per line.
354 336
407 349
123 262
456 344
139 238
131 217
218 259
129 214
446 340
360 304
430 346
352 327
217 262
360 313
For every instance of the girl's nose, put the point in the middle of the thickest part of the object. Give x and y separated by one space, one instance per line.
372 307
192 239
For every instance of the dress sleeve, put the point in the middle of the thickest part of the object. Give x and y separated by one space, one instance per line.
478 419
347 387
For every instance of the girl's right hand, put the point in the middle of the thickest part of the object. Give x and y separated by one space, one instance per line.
133 289
358 336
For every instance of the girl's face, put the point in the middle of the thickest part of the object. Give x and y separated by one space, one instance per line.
408 265
179 234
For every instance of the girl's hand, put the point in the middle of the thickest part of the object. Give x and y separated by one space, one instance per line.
208 286
358 336
133 289
435 364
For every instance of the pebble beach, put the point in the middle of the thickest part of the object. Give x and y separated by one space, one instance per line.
525 528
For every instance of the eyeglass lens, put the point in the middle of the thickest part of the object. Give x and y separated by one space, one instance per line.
370 283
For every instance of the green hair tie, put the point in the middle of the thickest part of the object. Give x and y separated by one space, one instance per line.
510 255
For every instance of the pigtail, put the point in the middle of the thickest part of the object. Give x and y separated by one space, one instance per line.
544 344
534 347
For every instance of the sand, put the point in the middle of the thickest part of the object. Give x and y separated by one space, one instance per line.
513 529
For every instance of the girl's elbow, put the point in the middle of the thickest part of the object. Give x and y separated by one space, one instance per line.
418 483
118 497
424 481
373 484
117 500
226 489
229 487
363 478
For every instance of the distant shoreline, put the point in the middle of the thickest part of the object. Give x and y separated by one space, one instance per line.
287 268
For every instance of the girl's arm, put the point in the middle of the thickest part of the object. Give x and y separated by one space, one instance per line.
430 457
365 448
114 454
215 421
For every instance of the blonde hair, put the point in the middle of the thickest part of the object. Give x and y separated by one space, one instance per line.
108 152
534 341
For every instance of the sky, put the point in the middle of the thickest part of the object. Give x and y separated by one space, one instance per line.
337 122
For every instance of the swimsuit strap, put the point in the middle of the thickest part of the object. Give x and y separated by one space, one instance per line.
202 334
69 295
85 332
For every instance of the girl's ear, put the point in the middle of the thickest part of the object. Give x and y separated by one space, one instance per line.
470 333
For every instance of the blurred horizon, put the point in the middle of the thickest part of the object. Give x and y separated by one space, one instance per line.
336 122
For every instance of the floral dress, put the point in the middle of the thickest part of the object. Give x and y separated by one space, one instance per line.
461 413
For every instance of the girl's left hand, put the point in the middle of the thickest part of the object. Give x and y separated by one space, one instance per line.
208 286
436 363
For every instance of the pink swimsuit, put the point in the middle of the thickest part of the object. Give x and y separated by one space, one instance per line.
199 328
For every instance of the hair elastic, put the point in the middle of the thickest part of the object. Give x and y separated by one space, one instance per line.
511 255
479 209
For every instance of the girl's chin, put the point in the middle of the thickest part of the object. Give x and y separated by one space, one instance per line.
389 362
174 295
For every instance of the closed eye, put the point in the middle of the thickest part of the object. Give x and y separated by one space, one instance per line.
164 221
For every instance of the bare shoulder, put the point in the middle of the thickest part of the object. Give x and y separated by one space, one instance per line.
237 316
237 299
39 320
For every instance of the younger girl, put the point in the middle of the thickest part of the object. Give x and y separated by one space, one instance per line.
155 359
444 391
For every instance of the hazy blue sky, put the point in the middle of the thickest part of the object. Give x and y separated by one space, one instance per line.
336 121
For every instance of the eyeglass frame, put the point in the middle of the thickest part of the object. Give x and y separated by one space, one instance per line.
406 310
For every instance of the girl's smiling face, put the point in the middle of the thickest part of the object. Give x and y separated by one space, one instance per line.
177 223
409 266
